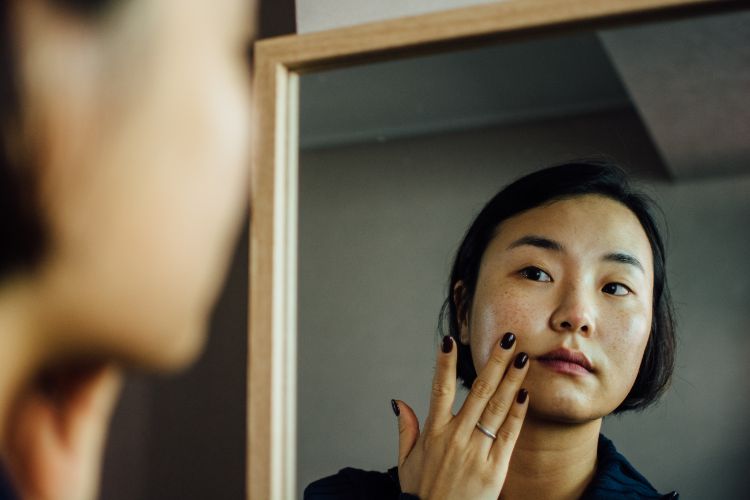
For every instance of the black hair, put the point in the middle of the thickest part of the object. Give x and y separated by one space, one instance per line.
599 177
21 229
23 236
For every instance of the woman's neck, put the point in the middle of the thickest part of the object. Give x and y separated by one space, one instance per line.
552 461
19 345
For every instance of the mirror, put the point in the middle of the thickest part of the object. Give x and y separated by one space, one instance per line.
396 156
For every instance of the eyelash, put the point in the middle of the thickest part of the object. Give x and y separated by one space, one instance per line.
534 273
526 271
628 291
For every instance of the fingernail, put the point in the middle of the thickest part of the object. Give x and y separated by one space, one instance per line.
447 344
521 360
394 406
522 395
508 340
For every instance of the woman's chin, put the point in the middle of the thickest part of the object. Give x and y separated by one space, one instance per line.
165 350
560 416
563 409
181 351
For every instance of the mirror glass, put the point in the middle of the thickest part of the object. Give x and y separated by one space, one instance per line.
396 158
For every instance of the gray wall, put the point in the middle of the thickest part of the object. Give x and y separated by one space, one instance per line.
318 15
379 224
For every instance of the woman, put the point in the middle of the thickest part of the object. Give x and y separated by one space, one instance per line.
123 179
559 314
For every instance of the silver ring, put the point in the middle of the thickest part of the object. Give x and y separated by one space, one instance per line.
484 430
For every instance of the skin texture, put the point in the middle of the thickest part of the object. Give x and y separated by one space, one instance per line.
573 310
136 123
575 296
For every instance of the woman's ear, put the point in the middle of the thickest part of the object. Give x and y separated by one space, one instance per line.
462 311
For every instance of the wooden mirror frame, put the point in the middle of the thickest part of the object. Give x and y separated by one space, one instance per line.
272 357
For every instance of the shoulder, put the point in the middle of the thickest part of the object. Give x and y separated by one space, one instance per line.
353 483
616 478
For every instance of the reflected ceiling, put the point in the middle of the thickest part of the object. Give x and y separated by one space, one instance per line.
689 80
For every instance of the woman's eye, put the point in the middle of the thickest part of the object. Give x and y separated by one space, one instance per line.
535 274
616 289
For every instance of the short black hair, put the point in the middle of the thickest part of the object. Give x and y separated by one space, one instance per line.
569 180
23 235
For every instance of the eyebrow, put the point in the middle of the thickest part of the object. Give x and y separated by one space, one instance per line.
624 258
537 241
548 244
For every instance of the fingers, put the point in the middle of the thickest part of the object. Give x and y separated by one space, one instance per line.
32 435
509 431
443 385
408 429
486 383
501 404
58 429
90 406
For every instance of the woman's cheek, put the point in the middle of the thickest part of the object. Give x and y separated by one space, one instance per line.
509 311
626 342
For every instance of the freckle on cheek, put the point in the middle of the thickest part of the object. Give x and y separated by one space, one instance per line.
491 321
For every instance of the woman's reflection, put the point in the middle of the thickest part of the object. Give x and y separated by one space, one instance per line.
559 314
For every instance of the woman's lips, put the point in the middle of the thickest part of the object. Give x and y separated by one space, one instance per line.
566 361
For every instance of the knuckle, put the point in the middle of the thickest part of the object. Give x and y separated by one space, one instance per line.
497 407
506 435
513 420
444 362
516 376
429 438
432 433
441 389
488 478
498 356
482 389
437 438
455 441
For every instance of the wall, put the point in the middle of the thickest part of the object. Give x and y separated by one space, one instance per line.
318 15
379 225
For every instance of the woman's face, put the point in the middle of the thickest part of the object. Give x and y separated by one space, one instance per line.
574 281
139 125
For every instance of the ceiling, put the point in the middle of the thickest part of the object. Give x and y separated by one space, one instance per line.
689 80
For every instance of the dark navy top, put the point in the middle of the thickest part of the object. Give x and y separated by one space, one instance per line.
615 479
6 491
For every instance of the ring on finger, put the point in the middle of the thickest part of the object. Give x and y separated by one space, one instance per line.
484 430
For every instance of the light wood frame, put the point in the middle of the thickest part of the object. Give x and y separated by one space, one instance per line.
271 445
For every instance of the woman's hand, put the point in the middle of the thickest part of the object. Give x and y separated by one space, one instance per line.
453 457
57 431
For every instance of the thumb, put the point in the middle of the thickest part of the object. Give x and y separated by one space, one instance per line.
408 429
58 430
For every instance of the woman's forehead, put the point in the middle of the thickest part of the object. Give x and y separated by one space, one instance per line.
582 224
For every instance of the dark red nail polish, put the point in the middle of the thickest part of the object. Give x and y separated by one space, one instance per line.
522 395
394 406
447 344
521 360
508 340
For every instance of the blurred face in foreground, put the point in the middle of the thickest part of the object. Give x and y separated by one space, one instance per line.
135 131
136 117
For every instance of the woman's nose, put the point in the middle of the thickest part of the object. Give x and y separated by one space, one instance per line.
573 313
